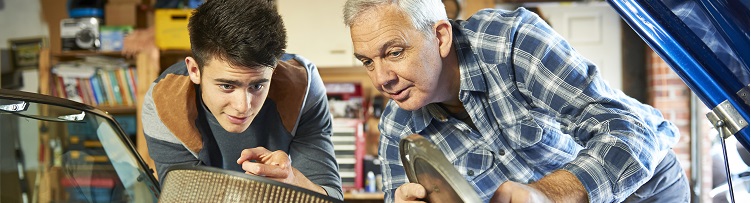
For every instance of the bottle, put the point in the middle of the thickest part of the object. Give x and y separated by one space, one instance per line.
379 183
370 182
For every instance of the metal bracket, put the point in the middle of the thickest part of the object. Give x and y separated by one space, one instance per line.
743 94
726 117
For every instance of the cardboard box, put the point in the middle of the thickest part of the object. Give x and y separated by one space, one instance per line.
124 14
171 28
112 37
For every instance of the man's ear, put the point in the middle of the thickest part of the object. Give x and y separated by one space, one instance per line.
193 71
444 34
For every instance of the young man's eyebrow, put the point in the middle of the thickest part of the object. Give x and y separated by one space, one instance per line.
238 83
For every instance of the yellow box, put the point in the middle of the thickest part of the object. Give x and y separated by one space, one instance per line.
171 28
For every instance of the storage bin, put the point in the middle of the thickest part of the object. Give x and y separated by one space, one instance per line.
171 28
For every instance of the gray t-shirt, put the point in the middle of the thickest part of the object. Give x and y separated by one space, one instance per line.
180 130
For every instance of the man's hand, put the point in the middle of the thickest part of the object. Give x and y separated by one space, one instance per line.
409 192
559 186
275 165
513 192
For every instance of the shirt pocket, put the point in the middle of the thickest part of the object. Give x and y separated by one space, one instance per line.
543 148
474 163
524 134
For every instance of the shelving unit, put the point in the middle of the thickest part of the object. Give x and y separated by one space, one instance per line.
87 53
48 60
118 109
148 66
364 197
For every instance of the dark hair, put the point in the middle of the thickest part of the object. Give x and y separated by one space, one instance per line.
245 33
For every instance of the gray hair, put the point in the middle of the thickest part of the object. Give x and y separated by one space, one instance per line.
422 13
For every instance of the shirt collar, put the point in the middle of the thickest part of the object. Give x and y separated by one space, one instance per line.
469 65
420 119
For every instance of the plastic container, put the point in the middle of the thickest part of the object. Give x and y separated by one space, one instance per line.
370 182
171 28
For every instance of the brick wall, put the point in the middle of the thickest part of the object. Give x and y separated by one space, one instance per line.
668 93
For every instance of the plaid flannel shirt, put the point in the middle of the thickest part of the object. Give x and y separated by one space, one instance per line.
538 107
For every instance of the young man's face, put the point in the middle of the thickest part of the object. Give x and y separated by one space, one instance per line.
234 95
403 64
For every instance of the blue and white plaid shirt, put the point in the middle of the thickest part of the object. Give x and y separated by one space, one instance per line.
538 107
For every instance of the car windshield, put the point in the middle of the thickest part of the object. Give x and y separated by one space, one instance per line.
83 156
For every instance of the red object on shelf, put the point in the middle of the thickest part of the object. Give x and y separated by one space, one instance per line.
102 182
349 142
347 105
359 155
344 90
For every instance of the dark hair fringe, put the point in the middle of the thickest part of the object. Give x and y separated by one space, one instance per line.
246 33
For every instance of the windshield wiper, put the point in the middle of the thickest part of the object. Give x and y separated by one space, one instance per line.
73 117
77 118
18 107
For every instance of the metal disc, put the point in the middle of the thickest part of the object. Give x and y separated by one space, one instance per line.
426 165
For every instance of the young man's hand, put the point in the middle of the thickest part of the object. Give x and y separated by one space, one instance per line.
409 192
275 165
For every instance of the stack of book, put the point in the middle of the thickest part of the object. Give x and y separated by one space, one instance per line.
96 80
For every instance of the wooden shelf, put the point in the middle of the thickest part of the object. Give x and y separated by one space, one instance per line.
364 196
358 71
89 167
83 53
117 109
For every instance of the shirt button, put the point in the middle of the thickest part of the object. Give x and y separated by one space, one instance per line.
470 173
502 152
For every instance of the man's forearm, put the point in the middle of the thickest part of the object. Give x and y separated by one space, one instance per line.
562 186
304 182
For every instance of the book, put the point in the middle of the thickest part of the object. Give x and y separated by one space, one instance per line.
125 93
132 83
97 92
108 90
71 89
74 70
117 92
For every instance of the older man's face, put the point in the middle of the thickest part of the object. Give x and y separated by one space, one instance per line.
402 63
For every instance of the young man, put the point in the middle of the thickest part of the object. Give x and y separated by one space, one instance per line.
241 103
516 110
